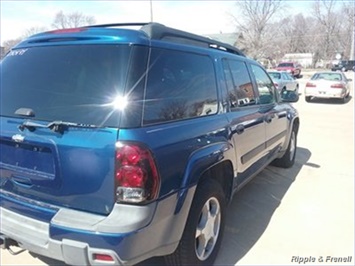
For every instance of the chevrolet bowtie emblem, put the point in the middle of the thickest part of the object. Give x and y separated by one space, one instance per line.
18 138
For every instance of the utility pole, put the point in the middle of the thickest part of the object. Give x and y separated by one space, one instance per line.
151 10
351 57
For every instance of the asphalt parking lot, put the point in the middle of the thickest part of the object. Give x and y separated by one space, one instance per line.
302 215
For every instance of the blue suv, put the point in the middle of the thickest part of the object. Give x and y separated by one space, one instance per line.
120 143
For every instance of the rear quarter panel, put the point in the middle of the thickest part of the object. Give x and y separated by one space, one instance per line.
184 150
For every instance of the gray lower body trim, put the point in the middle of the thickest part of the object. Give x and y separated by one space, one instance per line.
152 230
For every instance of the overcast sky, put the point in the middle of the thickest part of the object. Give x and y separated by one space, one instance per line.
201 17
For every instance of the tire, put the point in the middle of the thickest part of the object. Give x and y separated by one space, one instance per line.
308 99
288 159
205 221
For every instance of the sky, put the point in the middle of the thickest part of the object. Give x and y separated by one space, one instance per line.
200 17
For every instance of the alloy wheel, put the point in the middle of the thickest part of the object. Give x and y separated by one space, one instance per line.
208 228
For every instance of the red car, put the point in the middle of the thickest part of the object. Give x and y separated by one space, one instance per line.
293 68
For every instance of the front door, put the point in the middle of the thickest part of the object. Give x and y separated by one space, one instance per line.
275 116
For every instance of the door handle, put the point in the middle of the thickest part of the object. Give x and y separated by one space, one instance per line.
240 129
269 118
22 181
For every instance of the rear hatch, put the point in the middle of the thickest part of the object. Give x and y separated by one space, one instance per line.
61 109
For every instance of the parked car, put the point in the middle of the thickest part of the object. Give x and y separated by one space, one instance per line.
328 85
293 68
118 145
284 81
344 66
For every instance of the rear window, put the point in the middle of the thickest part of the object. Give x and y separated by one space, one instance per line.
327 76
68 83
285 65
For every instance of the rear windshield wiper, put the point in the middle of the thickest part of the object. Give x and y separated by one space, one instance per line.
56 126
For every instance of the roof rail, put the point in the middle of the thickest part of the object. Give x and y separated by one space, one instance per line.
157 31
117 25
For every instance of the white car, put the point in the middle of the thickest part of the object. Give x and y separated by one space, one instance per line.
283 81
327 85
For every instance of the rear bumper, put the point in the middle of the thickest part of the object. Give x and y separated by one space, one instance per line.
332 93
128 235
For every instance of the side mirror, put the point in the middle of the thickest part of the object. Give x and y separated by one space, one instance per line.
289 96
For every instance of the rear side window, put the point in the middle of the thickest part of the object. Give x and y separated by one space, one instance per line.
286 76
275 75
68 83
180 85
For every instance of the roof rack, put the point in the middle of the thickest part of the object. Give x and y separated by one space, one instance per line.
157 31
117 25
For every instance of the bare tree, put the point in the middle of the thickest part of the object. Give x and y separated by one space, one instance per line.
327 29
10 43
61 20
33 30
347 30
293 34
252 23
72 20
301 34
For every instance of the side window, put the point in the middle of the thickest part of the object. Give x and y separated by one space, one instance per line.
287 76
238 82
265 86
180 85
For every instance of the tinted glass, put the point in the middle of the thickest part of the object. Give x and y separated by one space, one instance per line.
265 85
239 85
285 65
68 83
180 85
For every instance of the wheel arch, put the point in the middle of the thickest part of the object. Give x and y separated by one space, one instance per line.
215 162
296 125
222 173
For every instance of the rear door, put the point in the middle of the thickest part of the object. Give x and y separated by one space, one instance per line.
60 121
73 169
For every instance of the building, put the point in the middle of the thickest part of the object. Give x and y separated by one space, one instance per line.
304 59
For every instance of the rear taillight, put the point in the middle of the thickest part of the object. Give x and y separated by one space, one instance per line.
136 175
338 86
310 84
